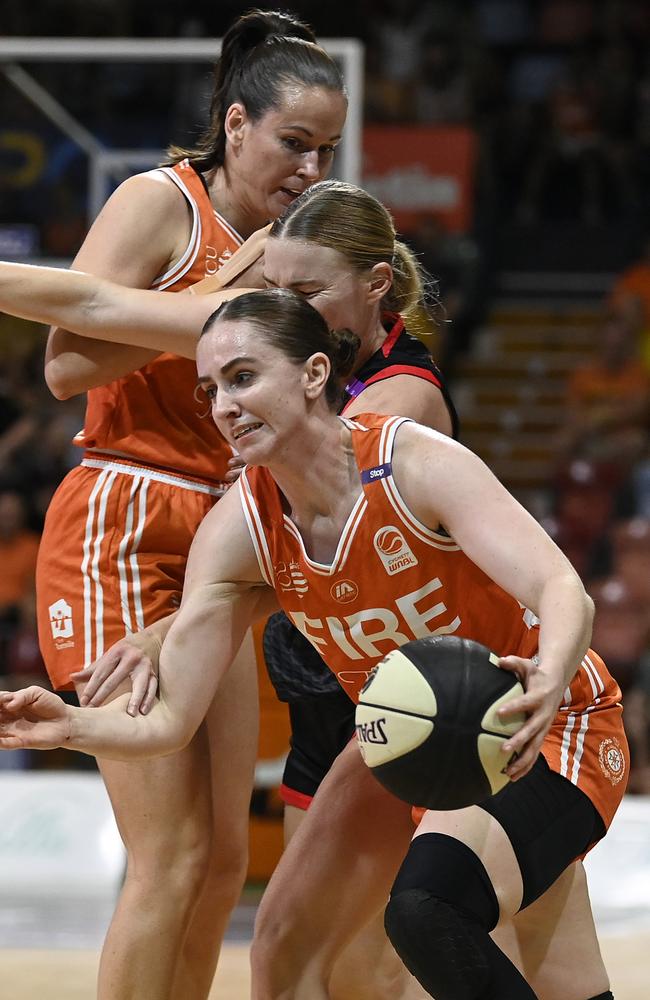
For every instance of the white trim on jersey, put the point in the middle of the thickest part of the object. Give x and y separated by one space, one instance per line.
386 446
180 268
352 424
229 229
255 529
345 539
184 263
159 477
387 437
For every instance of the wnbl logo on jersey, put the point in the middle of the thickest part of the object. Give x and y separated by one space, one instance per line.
393 550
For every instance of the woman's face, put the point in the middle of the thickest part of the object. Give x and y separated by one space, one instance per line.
273 160
256 393
342 296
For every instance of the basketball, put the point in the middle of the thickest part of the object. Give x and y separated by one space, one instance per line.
427 722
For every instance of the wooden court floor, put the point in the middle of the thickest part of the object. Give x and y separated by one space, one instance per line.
70 975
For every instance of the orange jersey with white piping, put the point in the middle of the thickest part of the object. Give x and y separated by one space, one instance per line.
152 415
393 579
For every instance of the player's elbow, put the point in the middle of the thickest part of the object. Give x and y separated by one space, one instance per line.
61 381
175 734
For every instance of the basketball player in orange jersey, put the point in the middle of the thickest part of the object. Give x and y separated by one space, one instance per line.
337 246
308 515
120 526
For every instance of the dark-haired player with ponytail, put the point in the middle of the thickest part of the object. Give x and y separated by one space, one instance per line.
119 528
302 528
336 245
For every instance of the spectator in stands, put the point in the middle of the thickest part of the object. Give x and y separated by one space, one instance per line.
453 262
629 298
630 540
442 94
574 166
18 549
24 663
565 22
607 402
396 30
16 424
622 628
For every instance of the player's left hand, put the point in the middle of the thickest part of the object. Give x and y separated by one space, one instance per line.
133 659
539 703
34 719
235 465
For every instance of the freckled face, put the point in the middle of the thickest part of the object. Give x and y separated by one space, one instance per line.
255 391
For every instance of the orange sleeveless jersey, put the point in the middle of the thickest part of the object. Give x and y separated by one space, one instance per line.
393 579
152 415
118 530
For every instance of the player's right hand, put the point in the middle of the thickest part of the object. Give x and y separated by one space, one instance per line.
33 719
127 660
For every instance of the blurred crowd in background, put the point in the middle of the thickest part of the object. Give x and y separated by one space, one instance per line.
558 95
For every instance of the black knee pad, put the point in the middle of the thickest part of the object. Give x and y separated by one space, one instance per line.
451 871
440 913
604 996
437 944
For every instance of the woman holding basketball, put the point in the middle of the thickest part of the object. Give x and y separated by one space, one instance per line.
325 246
308 517
119 528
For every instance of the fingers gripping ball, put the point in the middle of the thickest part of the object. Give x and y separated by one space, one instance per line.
427 722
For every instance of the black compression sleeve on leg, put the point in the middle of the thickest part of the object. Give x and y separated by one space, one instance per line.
438 919
603 996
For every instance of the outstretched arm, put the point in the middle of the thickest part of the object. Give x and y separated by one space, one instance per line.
139 233
444 483
97 308
222 593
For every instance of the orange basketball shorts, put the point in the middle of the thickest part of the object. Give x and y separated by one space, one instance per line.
112 557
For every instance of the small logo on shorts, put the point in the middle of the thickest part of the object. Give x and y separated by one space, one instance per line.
393 550
61 620
612 760
344 591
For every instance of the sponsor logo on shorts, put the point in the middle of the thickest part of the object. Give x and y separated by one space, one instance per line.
612 759
344 591
393 550
290 577
61 621
372 732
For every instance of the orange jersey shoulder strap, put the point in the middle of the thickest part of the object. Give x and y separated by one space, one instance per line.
208 227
